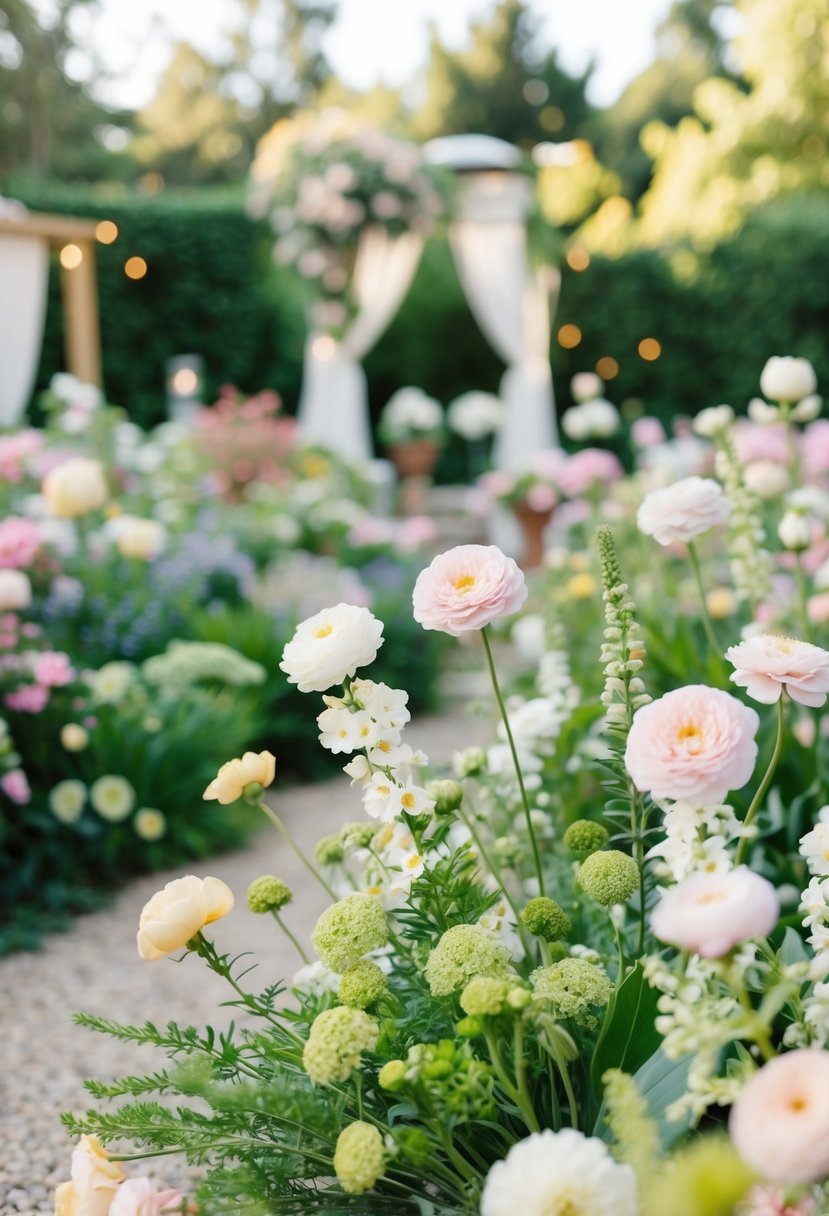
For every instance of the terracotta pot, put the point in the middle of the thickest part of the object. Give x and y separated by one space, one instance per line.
532 524
417 458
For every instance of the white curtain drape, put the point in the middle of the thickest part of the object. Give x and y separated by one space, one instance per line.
333 406
24 274
511 303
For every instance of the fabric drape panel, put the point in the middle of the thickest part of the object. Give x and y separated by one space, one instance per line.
24 273
333 407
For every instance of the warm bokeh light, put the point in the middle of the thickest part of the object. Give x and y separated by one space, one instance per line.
607 367
106 232
578 258
70 256
649 349
135 268
185 382
569 336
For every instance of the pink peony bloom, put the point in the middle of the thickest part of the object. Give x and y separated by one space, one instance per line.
586 469
15 786
647 432
28 698
695 743
767 664
52 669
466 588
19 542
684 510
780 1122
711 913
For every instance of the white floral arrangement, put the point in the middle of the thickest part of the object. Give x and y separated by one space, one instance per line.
475 415
410 415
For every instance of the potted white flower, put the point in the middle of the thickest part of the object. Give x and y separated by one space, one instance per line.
412 427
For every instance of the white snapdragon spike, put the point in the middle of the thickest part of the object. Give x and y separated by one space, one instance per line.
750 560
697 840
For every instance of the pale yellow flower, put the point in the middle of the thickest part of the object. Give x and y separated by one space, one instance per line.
139 538
74 488
95 1179
176 914
149 823
232 778
74 737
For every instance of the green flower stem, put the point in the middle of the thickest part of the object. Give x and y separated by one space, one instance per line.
505 719
206 950
766 782
707 623
521 1100
290 937
803 597
520 1064
469 822
289 840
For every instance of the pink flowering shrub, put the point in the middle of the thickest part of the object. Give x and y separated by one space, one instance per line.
245 440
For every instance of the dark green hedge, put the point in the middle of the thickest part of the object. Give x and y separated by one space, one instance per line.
212 288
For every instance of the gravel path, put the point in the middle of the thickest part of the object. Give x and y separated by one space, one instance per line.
95 968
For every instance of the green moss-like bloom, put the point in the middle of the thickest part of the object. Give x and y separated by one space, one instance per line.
348 930
362 984
268 894
335 1044
585 837
574 988
329 851
707 1177
447 795
358 835
392 1075
463 952
359 1158
609 878
545 918
485 996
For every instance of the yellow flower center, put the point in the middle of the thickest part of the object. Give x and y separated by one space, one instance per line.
385 790
797 1103
784 645
691 730
413 862
364 732
464 583
711 897
408 801
384 746
324 632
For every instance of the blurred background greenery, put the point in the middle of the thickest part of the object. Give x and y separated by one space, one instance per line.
693 212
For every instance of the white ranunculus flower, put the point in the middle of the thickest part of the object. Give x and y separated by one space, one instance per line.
586 386
176 914
552 1172
15 591
766 478
795 531
112 797
330 646
475 415
74 488
711 421
785 378
683 511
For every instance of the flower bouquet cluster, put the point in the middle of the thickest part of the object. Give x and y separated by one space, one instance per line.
322 180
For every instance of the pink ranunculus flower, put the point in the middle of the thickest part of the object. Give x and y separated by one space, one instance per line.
466 588
773 1201
15 785
695 743
52 669
684 510
711 913
586 469
28 698
766 664
19 542
647 432
780 1122
141 1197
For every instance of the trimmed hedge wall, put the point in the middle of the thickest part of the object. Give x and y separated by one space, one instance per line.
212 288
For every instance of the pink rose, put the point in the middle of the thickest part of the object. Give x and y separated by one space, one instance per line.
683 511
711 913
466 588
19 542
647 432
28 698
767 664
15 786
141 1197
695 743
780 1121
52 669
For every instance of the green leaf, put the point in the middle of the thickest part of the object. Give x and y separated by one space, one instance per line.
629 1037
661 1081
793 949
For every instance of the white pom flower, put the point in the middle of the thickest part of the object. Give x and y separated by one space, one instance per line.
331 645
564 1171
683 511
585 386
709 422
787 379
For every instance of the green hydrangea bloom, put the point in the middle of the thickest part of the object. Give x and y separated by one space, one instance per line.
484 996
335 1044
348 930
359 1158
463 952
573 987
447 795
545 918
329 851
585 837
362 984
358 835
609 878
706 1176
268 894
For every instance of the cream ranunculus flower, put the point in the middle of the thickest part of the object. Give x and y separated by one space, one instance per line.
229 784
75 487
95 1180
138 538
176 914
15 591
785 378
330 646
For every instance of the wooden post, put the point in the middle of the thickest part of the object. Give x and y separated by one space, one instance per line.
82 341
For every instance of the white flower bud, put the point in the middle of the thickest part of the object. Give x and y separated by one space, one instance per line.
808 409
794 531
787 379
709 422
763 414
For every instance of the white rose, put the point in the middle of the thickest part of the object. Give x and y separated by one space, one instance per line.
785 378
711 421
585 386
767 478
795 531
330 646
136 537
176 914
683 510
15 591
74 488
